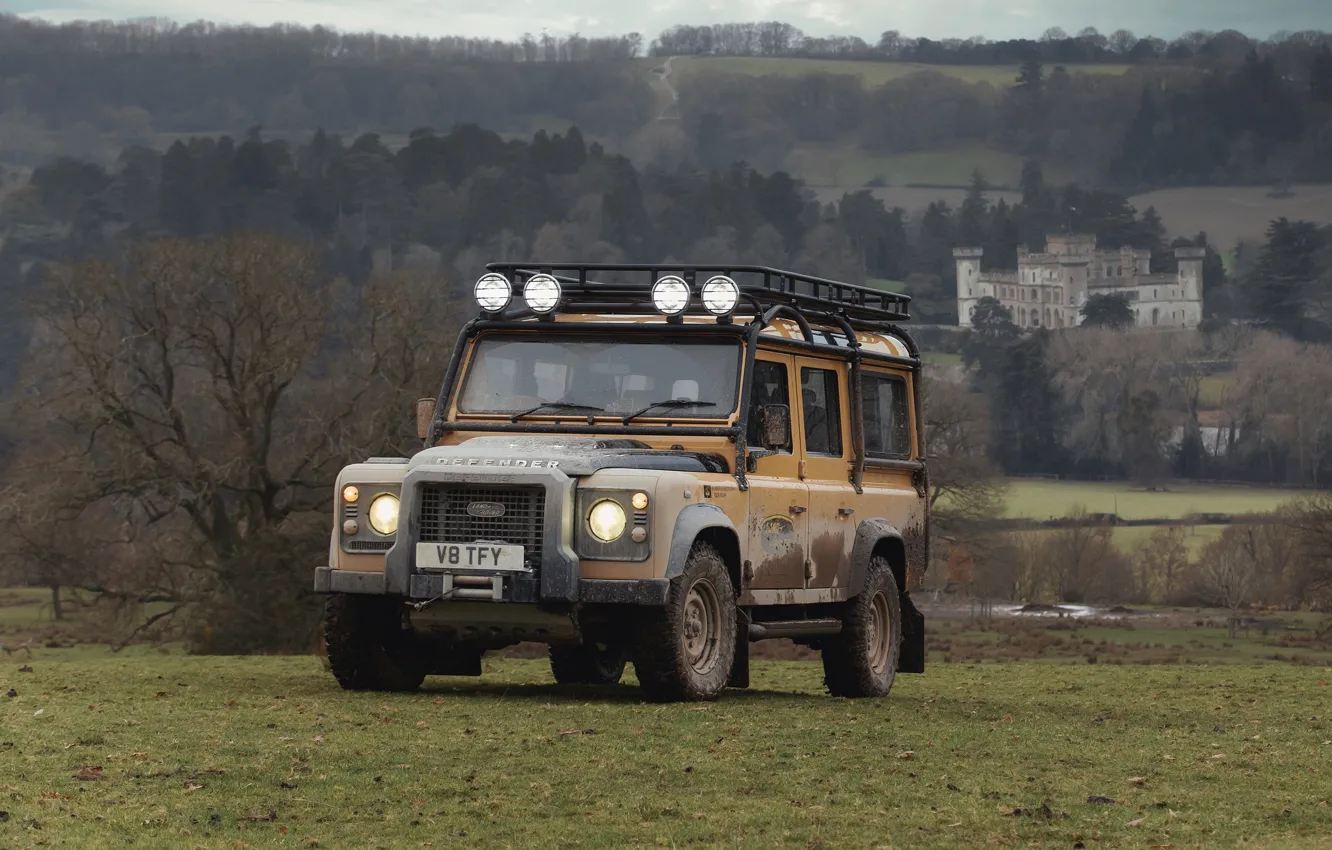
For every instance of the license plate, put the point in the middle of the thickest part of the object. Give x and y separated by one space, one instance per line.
469 556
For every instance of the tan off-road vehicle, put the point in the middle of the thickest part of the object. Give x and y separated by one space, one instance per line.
649 463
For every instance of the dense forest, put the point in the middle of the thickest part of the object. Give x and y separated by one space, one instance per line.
1202 109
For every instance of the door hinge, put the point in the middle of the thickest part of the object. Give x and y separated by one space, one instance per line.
809 570
803 468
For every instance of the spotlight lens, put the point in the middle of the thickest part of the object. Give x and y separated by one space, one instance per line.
670 295
720 295
493 292
350 494
542 293
384 514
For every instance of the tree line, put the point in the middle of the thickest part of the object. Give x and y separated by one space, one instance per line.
1262 119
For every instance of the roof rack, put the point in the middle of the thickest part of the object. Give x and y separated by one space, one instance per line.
626 288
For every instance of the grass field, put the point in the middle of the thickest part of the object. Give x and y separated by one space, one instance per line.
873 74
1229 213
172 751
1042 499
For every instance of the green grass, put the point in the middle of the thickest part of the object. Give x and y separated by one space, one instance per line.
873 74
1150 636
210 752
1041 499
1215 390
941 358
885 284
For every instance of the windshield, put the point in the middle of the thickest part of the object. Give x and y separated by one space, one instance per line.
620 377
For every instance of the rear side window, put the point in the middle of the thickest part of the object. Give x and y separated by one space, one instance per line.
887 428
822 408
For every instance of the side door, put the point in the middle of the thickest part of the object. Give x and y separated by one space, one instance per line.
826 468
777 527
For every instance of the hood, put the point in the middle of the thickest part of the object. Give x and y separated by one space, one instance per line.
571 455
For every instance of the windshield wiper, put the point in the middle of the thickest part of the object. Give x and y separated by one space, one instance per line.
556 405
670 403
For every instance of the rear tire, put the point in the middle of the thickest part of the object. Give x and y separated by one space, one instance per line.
685 649
862 660
589 664
369 648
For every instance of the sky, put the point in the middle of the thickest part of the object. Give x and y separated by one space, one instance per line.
509 19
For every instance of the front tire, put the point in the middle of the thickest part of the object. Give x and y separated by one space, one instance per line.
685 649
862 660
369 648
589 664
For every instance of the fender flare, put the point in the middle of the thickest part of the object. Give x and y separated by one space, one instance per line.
869 533
692 521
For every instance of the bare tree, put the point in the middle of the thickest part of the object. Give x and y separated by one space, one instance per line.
1082 560
207 391
1227 578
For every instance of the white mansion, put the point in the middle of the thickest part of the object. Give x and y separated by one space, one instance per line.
1049 290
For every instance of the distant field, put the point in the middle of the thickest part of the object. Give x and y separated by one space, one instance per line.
872 73
267 752
1214 390
1041 499
1228 214
1128 538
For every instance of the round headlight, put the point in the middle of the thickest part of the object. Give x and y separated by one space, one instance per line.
383 514
350 494
640 501
493 292
542 293
720 295
606 520
670 295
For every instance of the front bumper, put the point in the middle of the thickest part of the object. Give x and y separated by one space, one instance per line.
652 591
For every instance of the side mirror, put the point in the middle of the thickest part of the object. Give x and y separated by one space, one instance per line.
774 425
425 414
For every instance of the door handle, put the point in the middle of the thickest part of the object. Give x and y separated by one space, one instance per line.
798 509
846 511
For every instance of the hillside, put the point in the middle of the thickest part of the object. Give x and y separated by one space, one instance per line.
871 74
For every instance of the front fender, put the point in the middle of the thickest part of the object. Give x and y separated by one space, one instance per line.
693 520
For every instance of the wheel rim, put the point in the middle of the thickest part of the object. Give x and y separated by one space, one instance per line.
702 624
609 660
880 633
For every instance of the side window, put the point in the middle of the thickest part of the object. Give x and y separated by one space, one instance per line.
887 425
821 406
770 387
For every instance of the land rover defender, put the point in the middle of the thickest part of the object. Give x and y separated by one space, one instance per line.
646 463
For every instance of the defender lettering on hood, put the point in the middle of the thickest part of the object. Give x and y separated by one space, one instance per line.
497 461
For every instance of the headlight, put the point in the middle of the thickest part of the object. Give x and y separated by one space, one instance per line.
606 520
383 514
542 293
720 295
493 292
670 295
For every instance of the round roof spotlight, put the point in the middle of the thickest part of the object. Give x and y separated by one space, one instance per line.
493 292
542 293
720 295
670 295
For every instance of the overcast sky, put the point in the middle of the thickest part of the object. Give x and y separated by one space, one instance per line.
995 19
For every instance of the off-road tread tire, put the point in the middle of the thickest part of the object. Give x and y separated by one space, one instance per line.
658 647
578 665
846 664
356 629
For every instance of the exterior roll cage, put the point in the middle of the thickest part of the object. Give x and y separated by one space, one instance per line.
840 309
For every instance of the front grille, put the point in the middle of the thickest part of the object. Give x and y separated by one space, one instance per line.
369 545
444 516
